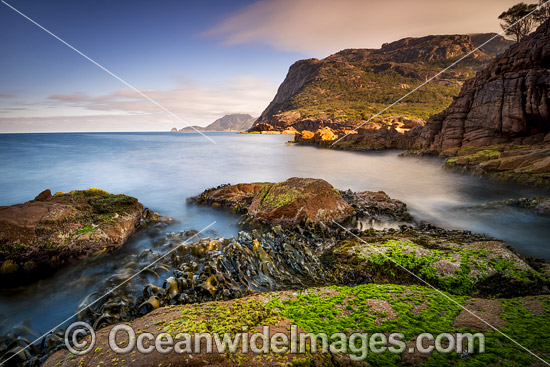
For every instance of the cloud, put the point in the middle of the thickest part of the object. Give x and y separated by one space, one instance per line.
327 26
126 110
72 97
6 95
190 102
85 123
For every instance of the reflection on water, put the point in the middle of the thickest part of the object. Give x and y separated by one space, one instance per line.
163 169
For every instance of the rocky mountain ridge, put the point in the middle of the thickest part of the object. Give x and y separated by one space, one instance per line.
499 124
234 122
351 85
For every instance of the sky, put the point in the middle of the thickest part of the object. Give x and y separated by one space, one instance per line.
197 59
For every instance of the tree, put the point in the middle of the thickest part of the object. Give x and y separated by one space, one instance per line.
543 13
513 22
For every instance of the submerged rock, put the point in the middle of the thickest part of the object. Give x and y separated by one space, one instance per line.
50 231
538 205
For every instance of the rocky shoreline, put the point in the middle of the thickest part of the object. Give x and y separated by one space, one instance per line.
523 164
302 255
496 126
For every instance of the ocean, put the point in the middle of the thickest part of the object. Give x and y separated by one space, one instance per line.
163 169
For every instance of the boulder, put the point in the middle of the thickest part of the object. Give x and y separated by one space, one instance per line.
299 199
41 235
237 197
288 203
455 261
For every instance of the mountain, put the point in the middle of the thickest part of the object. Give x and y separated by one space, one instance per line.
495 47
234 122
348 87
498 125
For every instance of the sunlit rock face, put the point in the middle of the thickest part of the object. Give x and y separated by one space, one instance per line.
508 101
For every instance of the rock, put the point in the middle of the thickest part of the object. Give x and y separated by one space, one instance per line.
454 261
373 310
41 235
507 100
154 217
538 205
44 195
238 197
299 199
289 202
526 164
480 309
377 205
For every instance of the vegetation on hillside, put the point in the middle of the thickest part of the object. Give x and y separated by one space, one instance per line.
350 91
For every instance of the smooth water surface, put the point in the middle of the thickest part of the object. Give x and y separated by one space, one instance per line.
163 169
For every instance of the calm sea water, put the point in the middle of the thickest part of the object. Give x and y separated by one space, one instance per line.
163 169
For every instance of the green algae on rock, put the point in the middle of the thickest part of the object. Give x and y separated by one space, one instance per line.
454 261
43 234
372 309
301 201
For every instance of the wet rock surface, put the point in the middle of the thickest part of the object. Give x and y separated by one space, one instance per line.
290 202
382 308
318 276
538 205
43 234
458 262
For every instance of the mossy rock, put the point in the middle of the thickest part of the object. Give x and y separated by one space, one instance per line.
370 309
467 266
43 234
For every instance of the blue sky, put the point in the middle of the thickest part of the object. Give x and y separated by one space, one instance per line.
200 59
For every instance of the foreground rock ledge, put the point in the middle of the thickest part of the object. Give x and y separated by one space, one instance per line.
49 231
369 308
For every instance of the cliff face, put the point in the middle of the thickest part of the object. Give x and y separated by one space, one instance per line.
299 74
348 87
507 102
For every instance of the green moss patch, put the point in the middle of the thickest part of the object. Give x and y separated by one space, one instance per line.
451 267
221 318
418 310
101 201
348 309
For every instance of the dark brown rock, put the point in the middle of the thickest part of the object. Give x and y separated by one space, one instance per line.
44 195
508 101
